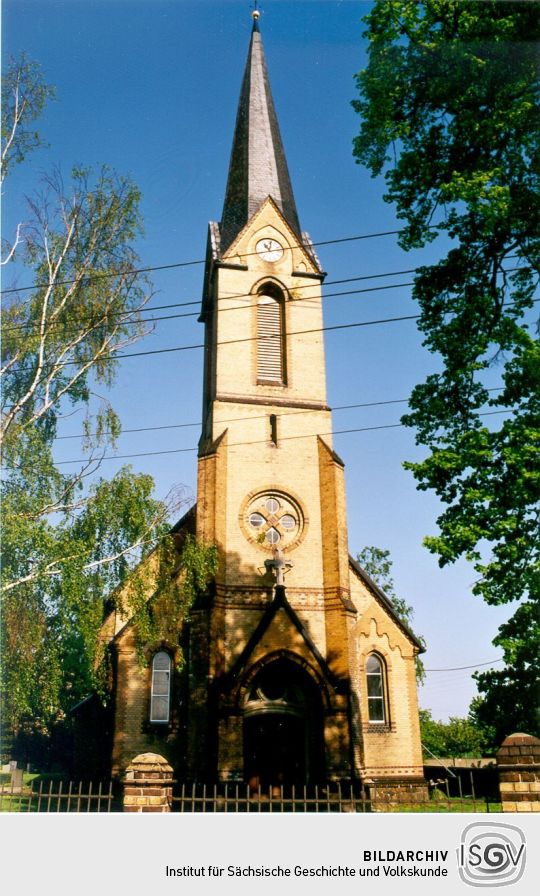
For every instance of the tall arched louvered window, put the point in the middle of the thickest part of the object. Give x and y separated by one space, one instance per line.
270 354
160 696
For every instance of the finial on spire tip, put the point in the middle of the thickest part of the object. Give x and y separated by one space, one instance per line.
255 15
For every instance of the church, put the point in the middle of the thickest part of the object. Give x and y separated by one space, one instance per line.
295 666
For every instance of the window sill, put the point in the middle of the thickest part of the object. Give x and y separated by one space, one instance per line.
378 728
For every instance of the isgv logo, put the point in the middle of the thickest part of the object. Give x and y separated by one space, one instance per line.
491 855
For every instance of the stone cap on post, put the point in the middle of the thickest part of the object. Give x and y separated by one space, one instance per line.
148 781
519 749
150 767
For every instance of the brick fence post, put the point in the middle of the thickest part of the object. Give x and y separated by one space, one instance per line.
148 784
518 764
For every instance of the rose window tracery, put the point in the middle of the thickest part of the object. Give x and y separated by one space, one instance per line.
273 519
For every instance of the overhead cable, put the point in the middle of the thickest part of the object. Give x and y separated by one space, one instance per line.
184 264
182 348
302 301
334 432
339 407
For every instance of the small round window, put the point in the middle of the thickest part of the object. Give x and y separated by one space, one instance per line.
272 517
273 536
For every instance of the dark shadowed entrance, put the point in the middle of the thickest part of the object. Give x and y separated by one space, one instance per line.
282 727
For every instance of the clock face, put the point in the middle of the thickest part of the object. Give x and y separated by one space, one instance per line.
269 250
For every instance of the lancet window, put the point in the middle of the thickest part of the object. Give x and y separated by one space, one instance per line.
160 697
376 690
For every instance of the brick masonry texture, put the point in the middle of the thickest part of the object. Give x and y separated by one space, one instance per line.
334 618
518 762
148 784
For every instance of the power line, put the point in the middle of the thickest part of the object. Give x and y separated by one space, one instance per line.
183 264
367 404
250 295
246 295
461 668
183 348
342 407
327 329
302 302
298 302
334 432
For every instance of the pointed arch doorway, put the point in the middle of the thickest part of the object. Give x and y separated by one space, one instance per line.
283 732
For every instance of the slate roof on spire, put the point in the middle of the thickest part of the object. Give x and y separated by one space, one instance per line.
258 167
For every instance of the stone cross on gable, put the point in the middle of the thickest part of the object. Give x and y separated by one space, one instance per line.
278 565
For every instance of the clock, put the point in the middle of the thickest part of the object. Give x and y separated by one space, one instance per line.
269 250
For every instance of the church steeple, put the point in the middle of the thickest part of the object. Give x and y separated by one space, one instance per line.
258 167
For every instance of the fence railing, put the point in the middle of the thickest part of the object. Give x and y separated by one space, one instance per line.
335 796
331 797
58 796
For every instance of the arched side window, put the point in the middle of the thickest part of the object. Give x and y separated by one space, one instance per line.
160 697
270 343
376 690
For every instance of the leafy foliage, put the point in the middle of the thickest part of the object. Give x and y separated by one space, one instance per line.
85 307
24 96
378 565
457 737
160 594
449 102
510 697
59 571
69 538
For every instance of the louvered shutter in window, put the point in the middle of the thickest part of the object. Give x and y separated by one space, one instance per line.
269 340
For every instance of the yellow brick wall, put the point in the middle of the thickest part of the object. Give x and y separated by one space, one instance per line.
238 460
236 289
132 705
393 748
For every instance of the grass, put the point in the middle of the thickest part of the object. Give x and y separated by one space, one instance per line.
20 801
28 777
453 804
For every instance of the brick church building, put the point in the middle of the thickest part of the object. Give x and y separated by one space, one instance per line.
296 668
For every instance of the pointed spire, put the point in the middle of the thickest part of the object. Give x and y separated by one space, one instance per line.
258 167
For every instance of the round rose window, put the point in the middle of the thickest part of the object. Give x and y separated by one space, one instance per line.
273 519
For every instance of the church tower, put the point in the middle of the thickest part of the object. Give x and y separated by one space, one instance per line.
295 667
278 643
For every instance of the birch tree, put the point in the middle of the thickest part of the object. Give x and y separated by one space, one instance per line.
70 536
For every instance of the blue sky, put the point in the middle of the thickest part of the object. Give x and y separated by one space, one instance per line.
150 87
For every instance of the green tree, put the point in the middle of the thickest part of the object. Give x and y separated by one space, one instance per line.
510 697
378 565
58 572
457 737
24 96
70 539
449 106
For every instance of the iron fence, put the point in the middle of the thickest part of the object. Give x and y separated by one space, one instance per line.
330 797
44 795
229 797
57 796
